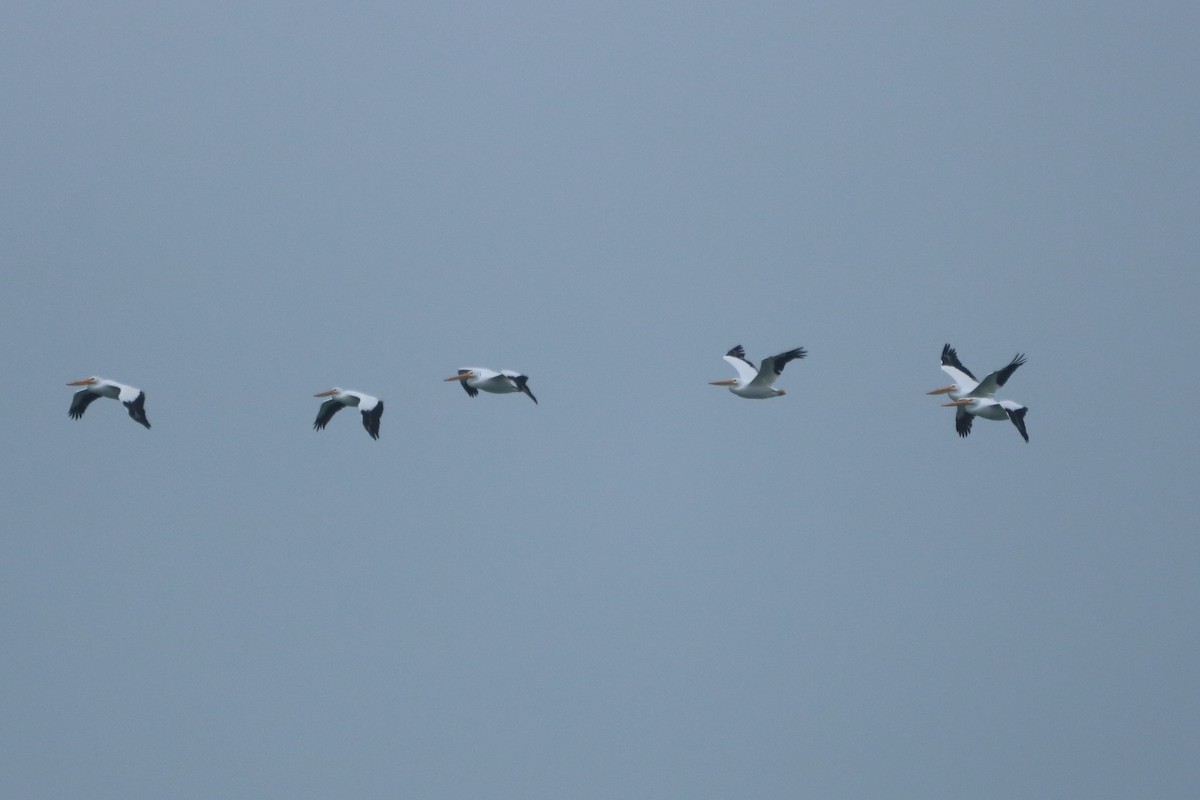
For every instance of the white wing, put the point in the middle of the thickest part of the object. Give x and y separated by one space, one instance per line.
745 370
966 384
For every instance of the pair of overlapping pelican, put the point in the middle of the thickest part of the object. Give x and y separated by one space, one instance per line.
976 398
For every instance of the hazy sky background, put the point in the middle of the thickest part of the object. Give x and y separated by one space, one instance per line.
643 586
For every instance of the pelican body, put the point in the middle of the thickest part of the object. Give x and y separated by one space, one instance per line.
757 383
132 398
477 379
974 398
371 408
987 408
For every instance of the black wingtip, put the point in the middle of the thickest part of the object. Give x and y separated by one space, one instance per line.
370 419
962 423
1002 375
1018 419
522 382
950 359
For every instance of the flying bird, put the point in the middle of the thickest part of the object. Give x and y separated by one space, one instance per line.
133 399
986 407
371 408
974 398
757 383
965 383
474 379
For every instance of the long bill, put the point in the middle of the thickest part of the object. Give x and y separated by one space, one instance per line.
327 393
460 376
966 401
84 382
944 389
727 382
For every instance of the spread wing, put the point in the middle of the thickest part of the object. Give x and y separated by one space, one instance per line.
326 412
79 403
961 376
746 371
137 409
962 422
772 366
370 419
1016 413
522 382
994 380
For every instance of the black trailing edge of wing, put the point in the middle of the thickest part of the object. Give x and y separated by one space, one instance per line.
80 402
137 410
962 422
325 413
782 359
950 359
1002 375
371 419
1018 419
522 383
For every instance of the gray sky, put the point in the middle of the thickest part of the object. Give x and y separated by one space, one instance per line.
643 586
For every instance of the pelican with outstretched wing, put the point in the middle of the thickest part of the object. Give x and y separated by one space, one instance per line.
132 398
757 383
476 379
371 408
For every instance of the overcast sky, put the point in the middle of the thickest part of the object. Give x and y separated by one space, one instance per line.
643 587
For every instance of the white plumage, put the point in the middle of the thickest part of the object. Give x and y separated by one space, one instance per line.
477 379
132 398
371 408
757 383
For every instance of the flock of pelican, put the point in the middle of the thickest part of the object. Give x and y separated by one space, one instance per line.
969 397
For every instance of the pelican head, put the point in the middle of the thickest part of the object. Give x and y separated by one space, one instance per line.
329 392
461 376
85 381
945 389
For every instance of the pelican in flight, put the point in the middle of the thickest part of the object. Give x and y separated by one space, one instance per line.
133 399
974 398
966 384
371 408
473 379
757 383
988 408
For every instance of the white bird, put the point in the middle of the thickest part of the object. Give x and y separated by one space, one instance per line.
986 407
974 398
132 398
757 384
474 379
967 385
371 408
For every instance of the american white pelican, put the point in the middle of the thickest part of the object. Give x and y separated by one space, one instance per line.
133 399
965 384
986 407
974 398
757 384
371 408
473 379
